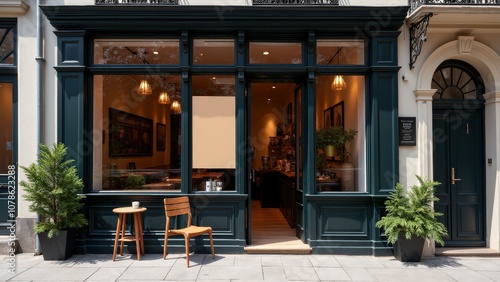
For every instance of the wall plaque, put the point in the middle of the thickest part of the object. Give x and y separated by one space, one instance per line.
407 131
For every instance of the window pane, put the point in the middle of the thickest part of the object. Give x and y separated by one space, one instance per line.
454 83
128 51
340 168
136 144
340 52
275 53
213 52
6 46
214 131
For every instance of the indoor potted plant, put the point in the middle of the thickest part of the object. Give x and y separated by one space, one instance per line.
53 188
327 139
411 219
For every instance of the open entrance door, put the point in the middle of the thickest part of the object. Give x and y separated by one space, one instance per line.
275 171
8 168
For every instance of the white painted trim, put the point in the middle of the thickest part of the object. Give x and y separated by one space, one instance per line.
424 131
13 7
482 57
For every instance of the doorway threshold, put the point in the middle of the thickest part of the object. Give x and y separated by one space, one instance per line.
467 252
286 247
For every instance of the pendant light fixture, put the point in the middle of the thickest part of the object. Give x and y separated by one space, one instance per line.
144 88
176 107
163 98
338 81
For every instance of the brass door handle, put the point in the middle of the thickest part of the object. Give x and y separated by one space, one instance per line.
453 179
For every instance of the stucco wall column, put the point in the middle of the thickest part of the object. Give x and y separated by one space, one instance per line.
492 131
424 131
424 144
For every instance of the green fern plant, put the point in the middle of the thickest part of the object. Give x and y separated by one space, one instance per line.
53 189
134 182
412 213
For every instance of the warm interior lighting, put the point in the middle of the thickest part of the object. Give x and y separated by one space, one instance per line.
144 88
163 98
176 107
265 53
338 83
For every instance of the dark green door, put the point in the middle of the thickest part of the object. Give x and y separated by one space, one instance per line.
8 170
459 166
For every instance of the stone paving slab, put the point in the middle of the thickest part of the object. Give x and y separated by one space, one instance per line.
247 267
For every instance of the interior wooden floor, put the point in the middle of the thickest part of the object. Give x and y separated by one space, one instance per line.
271 234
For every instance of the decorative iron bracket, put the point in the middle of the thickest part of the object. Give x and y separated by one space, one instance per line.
417 38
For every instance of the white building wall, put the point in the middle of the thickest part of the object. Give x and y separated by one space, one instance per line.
492 116
27 97
443 44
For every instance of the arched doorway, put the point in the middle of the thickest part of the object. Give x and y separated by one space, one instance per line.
458 141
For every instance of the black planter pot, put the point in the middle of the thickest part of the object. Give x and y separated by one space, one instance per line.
59 247
408 250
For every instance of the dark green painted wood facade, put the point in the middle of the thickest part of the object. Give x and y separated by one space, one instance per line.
8 74
334 222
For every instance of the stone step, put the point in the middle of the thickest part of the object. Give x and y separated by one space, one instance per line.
467 252
277 249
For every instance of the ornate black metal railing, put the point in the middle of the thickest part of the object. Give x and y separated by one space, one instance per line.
254 2
136 2
295 2
417 3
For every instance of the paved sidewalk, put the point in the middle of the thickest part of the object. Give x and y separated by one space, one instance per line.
246 267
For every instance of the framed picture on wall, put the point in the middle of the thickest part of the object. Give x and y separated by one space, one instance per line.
327 116
160 136
338 114
129 134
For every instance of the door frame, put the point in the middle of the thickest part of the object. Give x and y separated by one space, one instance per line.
299 85
5 178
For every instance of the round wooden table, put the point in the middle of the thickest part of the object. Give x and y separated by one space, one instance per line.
120 230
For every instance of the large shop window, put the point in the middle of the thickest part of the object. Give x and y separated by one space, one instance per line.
340 167
136 122
214 133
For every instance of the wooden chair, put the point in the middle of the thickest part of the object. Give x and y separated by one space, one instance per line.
180 206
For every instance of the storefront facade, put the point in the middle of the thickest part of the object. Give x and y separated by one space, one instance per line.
253 85
179 30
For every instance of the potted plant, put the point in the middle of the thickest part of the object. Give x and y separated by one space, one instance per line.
53 188
329 138
326 140
411 219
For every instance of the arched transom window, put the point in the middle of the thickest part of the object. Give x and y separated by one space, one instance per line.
457 80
